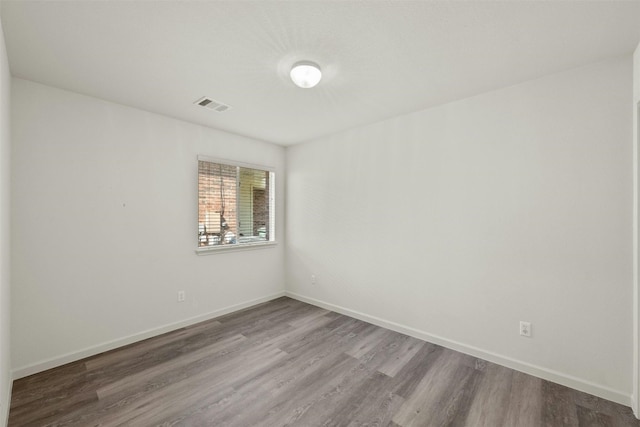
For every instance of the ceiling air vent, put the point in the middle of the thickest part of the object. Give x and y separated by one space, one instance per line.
212 104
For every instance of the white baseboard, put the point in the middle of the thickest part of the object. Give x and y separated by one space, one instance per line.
527 368
120 342
4 406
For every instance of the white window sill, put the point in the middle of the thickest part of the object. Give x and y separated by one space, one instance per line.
210 250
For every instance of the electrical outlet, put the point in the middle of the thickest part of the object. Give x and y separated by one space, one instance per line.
525 329
181 296
313 279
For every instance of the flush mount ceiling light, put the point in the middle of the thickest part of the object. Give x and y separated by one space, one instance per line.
306 74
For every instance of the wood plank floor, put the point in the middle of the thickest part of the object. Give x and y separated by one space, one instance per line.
286 363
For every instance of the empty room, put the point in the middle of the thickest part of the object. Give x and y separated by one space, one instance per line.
319 213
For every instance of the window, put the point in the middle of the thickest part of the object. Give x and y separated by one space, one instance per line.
235 205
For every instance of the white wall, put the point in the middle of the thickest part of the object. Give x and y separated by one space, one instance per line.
5 294
104 204
636 229
456 222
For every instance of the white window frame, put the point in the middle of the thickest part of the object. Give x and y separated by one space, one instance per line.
208 250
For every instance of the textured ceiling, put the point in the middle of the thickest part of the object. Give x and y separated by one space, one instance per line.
379 58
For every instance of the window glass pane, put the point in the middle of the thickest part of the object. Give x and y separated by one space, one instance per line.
217 217
235 204
253 205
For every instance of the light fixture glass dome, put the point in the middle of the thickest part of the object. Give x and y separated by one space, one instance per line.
306 74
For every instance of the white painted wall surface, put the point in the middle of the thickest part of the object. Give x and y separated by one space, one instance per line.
5 211
461 220
636 74
635 403
104 203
